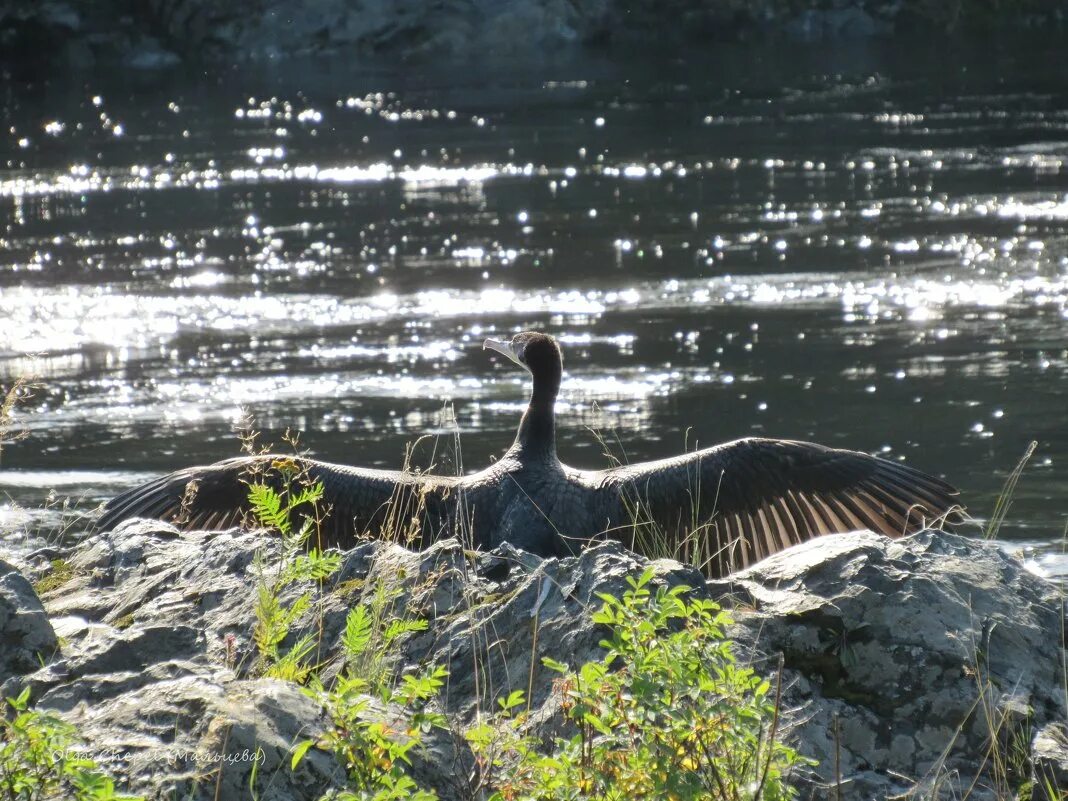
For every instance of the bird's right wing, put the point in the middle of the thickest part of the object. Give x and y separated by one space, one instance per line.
355 501
753 497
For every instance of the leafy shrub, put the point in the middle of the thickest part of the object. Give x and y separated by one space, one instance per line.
667 714
39 760
374 753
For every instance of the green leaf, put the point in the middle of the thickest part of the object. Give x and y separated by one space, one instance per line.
397 628
298 753
312 495
480 737
22 701
515 698
358 627
267 507
552 664
597 723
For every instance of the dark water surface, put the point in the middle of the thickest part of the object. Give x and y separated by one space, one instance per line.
867 249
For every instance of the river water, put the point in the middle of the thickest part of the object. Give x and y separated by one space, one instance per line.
863 247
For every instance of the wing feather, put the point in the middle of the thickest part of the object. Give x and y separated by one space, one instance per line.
784 521
766 494
360 501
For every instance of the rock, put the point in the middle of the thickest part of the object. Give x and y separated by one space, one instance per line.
37 35
149 54
909 647
1049 760
200 736
842 23
894 653
26 635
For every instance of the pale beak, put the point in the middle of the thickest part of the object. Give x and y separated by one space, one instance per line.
503 348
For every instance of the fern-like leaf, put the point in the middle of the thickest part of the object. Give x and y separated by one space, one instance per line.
358 627
398 628
267 506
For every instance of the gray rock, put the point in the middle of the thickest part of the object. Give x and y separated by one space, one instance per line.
1049 760
155 34
912 646
836 23
26 636
894 653
200 736
149 54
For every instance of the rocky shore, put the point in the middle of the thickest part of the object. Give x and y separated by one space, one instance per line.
905 663
40 34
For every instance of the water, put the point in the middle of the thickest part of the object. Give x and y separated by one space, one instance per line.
867 249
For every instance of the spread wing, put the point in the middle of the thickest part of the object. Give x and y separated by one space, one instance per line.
355 501
747 499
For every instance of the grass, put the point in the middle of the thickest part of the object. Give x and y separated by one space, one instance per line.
20 392
71 511
643 534
1008 491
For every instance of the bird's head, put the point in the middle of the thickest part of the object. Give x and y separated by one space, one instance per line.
533 350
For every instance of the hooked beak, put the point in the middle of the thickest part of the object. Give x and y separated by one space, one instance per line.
503 348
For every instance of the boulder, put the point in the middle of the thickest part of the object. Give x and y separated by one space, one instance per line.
37 35
907 658
26 636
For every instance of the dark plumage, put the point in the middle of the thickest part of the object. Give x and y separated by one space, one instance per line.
730 505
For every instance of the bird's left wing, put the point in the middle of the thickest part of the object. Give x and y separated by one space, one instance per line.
752 497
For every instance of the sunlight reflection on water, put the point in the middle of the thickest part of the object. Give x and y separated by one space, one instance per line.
838 262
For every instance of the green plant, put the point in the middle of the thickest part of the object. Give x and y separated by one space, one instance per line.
500 746
375 753
667 713
372 634
61 572
39 760
275 617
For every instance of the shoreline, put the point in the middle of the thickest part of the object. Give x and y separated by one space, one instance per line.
40 40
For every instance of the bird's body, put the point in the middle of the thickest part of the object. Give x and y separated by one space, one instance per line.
729 505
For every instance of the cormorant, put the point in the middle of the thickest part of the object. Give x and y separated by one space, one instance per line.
726 507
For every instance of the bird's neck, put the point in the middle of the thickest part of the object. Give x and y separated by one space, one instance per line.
537 430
